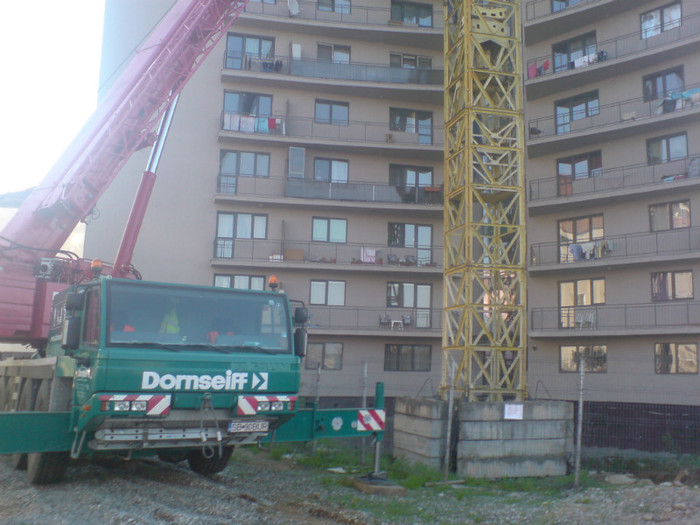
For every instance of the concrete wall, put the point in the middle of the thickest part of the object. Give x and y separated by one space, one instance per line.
420 427
491 446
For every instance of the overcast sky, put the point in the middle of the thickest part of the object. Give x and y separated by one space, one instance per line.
50 55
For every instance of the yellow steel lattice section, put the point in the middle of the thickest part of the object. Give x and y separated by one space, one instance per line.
484 292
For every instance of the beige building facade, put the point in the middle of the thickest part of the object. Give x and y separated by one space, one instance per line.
612 92
308 146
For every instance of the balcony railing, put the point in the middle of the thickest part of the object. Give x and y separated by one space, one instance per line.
541 8
368 318
312 189
287 251
337 71
669 242
617 113
619 47
649 316
304 127
358 14
632 176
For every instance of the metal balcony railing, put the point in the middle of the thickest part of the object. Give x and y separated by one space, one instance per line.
610 114
375 318
332 70
357 14
649 316
618 47
540 8
632 176
618 247
351 131
312 189
326 252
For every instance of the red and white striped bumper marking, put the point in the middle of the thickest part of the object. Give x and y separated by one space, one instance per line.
248 405
156 405
370 420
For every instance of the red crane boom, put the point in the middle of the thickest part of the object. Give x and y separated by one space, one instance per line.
123 123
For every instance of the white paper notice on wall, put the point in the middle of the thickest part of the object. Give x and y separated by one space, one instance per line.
512 411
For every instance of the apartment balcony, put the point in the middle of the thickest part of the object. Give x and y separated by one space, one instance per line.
310 255
287 191
375 321
376 80
425 143
543 19
615 184
671 317
612 58
612 121
615 250
376 23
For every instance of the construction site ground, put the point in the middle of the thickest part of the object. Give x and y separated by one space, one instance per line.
257 489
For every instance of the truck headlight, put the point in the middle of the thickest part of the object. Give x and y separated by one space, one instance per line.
122 406
277 406
138 406
263 406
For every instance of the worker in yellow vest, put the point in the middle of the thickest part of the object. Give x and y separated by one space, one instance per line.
170 323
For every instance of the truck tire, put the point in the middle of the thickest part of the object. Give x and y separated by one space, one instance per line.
206 466
25 403
45 468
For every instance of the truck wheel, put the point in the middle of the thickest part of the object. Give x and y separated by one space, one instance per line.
44 468
25 403
206 466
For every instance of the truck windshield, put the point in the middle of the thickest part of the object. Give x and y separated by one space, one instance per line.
208 319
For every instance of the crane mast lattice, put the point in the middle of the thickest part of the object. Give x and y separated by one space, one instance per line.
485 325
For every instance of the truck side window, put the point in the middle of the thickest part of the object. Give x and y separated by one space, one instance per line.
91 327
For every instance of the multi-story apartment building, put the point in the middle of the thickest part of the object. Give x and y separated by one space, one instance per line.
308 146
612 90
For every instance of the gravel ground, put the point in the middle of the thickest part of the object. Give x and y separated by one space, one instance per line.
255 489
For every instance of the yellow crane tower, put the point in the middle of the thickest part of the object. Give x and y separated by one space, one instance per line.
485 328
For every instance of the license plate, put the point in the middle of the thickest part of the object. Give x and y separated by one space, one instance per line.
248 426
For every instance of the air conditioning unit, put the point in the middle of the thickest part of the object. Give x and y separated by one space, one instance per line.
297 162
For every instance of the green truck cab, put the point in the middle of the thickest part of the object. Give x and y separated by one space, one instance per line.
184 372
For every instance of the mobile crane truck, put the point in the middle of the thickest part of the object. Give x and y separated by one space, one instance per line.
133 367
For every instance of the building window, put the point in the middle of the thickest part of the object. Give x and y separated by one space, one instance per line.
333 53
671 286
329 230
233 164
659 85
676 358
578 167
661 19
560 5
566 53
410 13
595 358
412 121
419 236
575 108
577 237
666 149
331 293
253 104
331 170
410 61
241 282
407 358
329 112
327 356
240 49
231 226
575 296
669 216
410 176
335 6
408 295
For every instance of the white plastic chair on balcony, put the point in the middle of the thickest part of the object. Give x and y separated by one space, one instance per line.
585 320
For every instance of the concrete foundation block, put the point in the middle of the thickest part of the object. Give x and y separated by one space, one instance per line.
512 468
